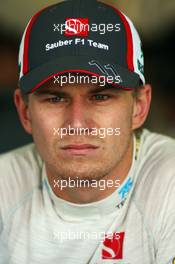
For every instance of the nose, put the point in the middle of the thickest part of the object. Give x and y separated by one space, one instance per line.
78 113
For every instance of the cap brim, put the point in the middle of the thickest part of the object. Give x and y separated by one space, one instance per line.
35 78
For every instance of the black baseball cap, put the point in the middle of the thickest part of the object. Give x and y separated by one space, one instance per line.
85 36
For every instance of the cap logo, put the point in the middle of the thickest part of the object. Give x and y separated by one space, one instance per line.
140 63
140 66
76 27
107 70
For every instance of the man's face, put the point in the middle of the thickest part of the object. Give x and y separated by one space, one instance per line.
78 106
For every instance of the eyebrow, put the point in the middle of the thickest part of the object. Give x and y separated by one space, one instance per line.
106 88
61 93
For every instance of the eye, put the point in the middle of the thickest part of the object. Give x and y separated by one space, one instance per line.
101 97
56 99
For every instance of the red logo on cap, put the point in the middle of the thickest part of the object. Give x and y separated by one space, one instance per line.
113 246
76 27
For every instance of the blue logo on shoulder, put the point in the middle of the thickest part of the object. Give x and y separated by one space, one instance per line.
126 188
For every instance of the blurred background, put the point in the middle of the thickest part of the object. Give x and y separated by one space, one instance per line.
155 21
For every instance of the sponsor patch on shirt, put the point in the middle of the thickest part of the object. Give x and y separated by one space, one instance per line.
113 246
124 190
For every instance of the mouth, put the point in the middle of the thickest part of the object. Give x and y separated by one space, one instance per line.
80 149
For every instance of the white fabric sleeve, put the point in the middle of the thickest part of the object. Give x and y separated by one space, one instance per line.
166 247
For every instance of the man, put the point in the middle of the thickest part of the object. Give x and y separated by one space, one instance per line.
94 187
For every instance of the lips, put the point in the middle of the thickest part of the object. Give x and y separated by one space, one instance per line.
78 146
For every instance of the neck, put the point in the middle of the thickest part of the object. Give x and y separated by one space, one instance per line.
82 195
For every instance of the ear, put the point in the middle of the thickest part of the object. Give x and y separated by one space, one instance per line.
141 106
23 111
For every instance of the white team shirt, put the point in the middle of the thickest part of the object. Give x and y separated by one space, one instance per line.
37 227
